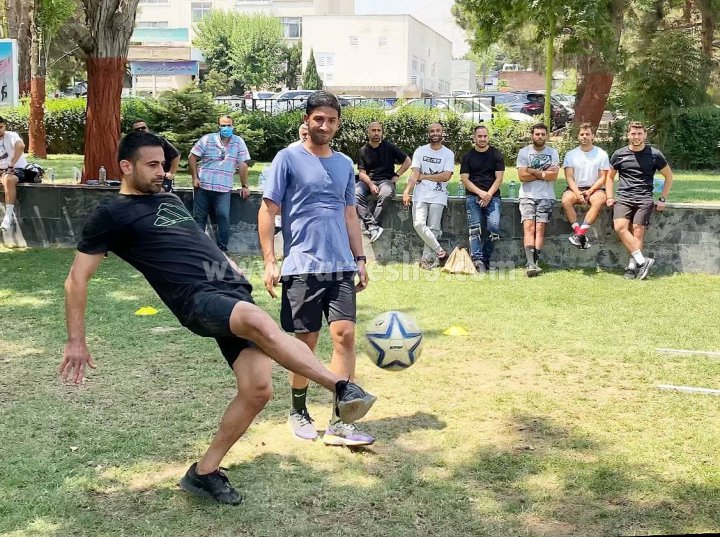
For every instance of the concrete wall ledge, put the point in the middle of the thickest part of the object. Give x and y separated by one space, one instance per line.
683 238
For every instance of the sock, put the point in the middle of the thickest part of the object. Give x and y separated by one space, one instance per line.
583 228
632 265
537 255
299 395
575 227
9 210
638 257
530 254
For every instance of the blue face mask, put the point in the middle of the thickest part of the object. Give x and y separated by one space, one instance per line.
226 132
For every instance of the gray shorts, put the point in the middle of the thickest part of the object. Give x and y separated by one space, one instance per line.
537 210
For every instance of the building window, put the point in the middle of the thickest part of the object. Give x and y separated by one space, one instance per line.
199 10
292 27
325 63
414 64
382 41
422 66
353 41
161 2
152 24
432 69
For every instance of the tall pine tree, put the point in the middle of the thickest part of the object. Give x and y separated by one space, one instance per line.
311 78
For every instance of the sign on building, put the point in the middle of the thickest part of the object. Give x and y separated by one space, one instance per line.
9 84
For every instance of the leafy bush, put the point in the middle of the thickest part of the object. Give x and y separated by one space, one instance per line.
694 137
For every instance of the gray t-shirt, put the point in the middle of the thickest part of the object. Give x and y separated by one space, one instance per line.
313 193
529 157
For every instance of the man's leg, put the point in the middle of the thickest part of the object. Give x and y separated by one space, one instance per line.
568 202
474 220
252 371
597 202
299 419
362 193
9 182
421 216
221 203
434 222
542 218
387 191
491 229
528 215
201 205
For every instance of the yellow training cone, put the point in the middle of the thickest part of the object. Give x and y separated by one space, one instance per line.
146 310
455 331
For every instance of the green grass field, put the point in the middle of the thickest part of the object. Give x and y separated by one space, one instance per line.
689 186
544 421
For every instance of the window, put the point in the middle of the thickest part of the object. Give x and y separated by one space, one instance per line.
292 27
325 63
432 69
199 10
353 41
422 66
382 41
151 24
414 64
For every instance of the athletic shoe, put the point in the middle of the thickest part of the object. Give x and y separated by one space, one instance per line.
375 233
585 242
6 223
480 266
346 434
644 269
442 260
426 265
214 485
351 401
576 240
532 270
629 274
301 425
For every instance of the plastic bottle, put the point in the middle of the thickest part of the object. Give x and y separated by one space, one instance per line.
461 190
261 181
51 173
77 174
658 184
102 175
512 190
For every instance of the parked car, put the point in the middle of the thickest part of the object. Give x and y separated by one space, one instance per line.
531 103
259 100
471 109
288 100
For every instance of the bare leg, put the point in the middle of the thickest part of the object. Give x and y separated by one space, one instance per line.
529 233
253 373
597 202
622 228
343 357
310 339
540 235
638 232
568 204
9 183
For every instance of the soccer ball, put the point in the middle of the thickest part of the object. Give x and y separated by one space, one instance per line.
393 341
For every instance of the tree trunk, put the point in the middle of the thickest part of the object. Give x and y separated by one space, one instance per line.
38 140
102 129
18 21
709 23
111 24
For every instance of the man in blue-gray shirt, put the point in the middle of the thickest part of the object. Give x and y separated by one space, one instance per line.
313 187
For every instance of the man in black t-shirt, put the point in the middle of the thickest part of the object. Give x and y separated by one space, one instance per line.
205 290
376 166
481 171
172 156
636 165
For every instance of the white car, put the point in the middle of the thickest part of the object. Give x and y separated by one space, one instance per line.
473 110
259 100
288 100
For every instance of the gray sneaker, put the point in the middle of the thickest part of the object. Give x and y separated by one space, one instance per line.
346 434
301 425
644 269
375 234
532 270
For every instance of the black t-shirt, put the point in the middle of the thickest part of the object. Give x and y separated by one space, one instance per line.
379 162
636 170
481 167
169 151
156 234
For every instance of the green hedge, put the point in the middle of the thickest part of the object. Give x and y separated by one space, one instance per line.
693 139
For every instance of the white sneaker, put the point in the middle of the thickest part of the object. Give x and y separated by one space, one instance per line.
375 234
6 223
301 425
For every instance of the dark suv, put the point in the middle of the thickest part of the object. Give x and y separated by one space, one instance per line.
531 103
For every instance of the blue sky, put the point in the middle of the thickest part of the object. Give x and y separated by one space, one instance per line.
434 13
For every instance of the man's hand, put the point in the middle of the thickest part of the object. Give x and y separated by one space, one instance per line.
554 168
244 192
580 197
196 182
485 197
75 358
271 278
362 274
610 202
406 198
659 206
374 189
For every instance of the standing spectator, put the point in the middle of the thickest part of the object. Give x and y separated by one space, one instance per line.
377 177
302 135
221 154
172 155
538 167
636 164
481 172
12 169
432 168
586 169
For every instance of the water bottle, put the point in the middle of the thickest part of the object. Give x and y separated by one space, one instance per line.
512 190
461 190
261 181
658 184
77 174
51 173
102 175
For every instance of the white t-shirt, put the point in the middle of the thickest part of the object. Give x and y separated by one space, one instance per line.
586 165
431 162
7 150
528 157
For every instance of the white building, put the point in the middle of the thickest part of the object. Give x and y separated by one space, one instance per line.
378 55
464 76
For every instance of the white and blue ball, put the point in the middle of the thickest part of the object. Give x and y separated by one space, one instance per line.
393 341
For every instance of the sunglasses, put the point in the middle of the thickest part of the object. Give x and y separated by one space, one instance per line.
140 129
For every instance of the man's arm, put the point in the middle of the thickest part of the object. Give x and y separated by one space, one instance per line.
356 247
76 354
19 148
668 175
609 179
266 233
470 187
442 177
243 170
192 165
174 163
403 168
412 181
499 175
572 185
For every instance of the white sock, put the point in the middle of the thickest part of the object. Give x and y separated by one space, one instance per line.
638 257
9 210
632 265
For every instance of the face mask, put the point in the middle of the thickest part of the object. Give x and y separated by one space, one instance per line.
226 132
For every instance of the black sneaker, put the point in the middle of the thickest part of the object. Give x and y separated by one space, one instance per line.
351 401
214 485
644 269
480 266
629 274
576 240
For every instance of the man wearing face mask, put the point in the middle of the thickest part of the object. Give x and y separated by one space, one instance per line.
221 154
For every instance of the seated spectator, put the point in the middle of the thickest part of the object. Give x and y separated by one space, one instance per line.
12 170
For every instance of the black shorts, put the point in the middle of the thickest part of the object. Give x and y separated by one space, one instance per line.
638 213
210 315
307 297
